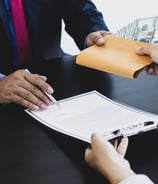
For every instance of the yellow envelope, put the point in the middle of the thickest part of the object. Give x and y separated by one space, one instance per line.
116 56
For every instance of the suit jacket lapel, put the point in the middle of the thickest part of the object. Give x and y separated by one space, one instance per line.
4 18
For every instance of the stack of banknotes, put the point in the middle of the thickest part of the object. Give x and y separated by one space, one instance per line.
143 29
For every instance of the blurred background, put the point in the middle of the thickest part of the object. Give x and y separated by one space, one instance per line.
117 13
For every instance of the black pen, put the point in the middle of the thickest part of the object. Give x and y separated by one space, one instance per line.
131 130
113 135
47 94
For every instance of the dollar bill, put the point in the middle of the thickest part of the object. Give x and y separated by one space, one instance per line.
143 29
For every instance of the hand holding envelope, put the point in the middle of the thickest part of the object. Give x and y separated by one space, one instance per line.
117 56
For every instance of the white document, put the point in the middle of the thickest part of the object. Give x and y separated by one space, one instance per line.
81 115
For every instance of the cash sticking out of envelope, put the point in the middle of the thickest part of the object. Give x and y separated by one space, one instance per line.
117 55
142 29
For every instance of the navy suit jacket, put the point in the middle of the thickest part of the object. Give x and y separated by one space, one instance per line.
43 18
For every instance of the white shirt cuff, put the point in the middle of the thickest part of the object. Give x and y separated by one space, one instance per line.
137 179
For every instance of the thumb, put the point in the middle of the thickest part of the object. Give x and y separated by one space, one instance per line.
122 147
143 50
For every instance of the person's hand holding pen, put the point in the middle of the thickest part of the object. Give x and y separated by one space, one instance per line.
26 89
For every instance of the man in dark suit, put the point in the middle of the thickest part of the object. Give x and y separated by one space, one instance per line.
43 19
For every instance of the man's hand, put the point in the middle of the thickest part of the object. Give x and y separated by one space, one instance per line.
108 159
96 38
25 89
152 51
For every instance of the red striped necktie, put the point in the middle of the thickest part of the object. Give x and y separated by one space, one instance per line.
21 33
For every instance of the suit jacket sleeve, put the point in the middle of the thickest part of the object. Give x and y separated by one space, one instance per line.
137 179
81 17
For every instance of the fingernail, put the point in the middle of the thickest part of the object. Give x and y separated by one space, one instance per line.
50 90
49 102
100 40
43 106
138 48
35 107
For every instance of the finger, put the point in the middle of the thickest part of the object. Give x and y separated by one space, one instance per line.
97 140
90 40
38 87
38 94
150 71
99 38
25 103
143 50
88 154
122 147
32 93
29 99
16 97
95 38
44 78
39 81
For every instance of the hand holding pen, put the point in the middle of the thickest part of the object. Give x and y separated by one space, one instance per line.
45 90
26 89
